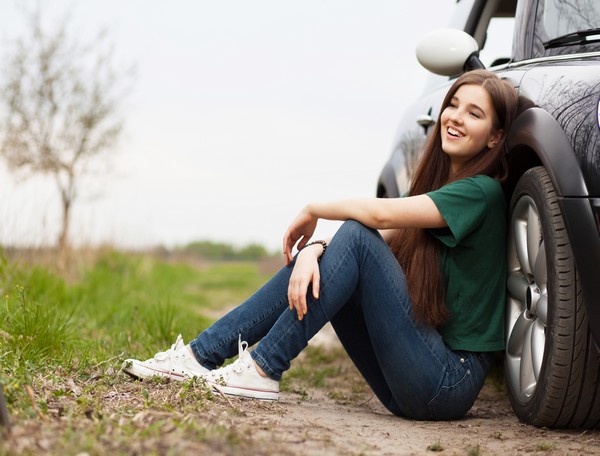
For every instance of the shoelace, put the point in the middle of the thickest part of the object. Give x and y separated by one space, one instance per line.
242 347
161 356
238 365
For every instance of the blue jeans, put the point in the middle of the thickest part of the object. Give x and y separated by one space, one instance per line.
364 295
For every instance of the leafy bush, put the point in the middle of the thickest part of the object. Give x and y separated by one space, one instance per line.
222 251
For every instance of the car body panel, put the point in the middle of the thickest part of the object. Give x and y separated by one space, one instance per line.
569 91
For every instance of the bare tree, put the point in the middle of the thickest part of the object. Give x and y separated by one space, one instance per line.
60 103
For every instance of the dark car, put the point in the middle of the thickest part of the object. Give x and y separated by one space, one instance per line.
552 57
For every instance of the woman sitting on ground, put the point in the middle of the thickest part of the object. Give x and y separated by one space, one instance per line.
414 287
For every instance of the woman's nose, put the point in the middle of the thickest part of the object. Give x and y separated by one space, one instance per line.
456 116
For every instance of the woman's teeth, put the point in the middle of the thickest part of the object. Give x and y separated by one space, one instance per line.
455 133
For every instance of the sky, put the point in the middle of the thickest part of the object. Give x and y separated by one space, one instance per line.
240 113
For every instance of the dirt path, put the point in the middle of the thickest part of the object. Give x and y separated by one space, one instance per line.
296 425
320 426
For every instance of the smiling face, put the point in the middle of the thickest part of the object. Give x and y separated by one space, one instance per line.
467 125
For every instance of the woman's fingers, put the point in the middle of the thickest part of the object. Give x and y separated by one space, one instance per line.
289 241
300 281
288 245
299 231
316 283
297 298
287 249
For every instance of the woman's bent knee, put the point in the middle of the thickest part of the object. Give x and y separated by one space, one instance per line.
354 229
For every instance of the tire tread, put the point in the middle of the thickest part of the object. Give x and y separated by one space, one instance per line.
567 393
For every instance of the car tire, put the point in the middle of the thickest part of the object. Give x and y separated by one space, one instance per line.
552 363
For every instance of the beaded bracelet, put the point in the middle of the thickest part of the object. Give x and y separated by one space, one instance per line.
323 243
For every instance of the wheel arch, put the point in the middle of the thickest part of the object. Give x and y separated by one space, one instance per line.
536 132
537 139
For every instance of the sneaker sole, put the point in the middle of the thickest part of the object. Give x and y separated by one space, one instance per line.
245 392
139 371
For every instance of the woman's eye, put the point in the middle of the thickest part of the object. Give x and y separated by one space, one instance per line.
474 114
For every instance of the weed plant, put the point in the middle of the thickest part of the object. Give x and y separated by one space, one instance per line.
121 306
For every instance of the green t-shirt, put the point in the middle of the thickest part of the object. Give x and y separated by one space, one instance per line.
473 262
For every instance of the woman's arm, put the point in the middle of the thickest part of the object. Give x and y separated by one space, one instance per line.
383 214
380 213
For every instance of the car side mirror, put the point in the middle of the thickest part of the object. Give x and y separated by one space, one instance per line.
448 52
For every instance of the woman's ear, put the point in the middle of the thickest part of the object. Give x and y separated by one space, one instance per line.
495 138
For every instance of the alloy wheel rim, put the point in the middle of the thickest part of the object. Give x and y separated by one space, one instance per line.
527 300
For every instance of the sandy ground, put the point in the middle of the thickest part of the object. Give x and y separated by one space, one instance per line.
300 425
319 425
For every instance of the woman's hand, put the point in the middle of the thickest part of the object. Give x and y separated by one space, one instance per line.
300 230
306 272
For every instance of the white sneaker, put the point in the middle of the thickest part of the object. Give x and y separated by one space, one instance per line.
176 363
241 378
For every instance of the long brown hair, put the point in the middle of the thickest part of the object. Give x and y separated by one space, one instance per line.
417 251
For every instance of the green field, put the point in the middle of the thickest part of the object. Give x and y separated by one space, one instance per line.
63 339
122 304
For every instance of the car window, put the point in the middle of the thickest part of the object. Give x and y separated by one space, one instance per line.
562 17
564 27
498 43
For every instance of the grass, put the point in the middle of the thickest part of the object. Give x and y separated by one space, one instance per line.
435 447
120 304
62 343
